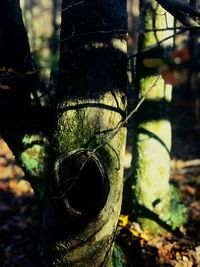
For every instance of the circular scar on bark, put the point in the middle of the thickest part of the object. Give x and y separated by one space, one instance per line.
83 183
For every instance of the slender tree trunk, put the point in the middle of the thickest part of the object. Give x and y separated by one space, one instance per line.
54 43
23 126
85 195
14 62
152 143
194 81
12 31
14 56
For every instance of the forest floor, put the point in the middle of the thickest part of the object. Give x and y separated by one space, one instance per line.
18 210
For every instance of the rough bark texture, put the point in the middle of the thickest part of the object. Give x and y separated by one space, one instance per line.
153 132
91 102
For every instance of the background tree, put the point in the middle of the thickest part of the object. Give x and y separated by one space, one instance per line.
24 124
152 195
15 61
42 21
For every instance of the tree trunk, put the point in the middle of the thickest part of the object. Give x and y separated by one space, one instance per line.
12 31
85 194
152 143
14 57
24 126
14 62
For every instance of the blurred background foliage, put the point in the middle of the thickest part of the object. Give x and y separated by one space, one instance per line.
42 21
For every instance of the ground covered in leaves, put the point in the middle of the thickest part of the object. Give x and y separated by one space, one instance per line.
18 215
19 221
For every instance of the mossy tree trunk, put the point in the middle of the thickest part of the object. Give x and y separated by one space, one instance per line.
152 143
85 189
84 169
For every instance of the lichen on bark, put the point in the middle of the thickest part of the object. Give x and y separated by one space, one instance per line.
151 156
34 160
91 103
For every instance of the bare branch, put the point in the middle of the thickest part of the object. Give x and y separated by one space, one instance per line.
155 45
119 32
181 11
73 5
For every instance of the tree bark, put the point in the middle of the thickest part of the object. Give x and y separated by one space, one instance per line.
14 55
85 195
24 126
14 63
152 143
12 31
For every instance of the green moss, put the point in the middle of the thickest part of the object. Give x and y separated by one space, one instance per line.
154 88
119 44
149 37
158 131
179 212
33 156
152 176
34 161
30 138
86 124
170 218
117 257
153 21
151 188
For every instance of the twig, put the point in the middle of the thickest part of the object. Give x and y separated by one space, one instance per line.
185 164
173 28
155 45
74 4
124 121
118 32
180 11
